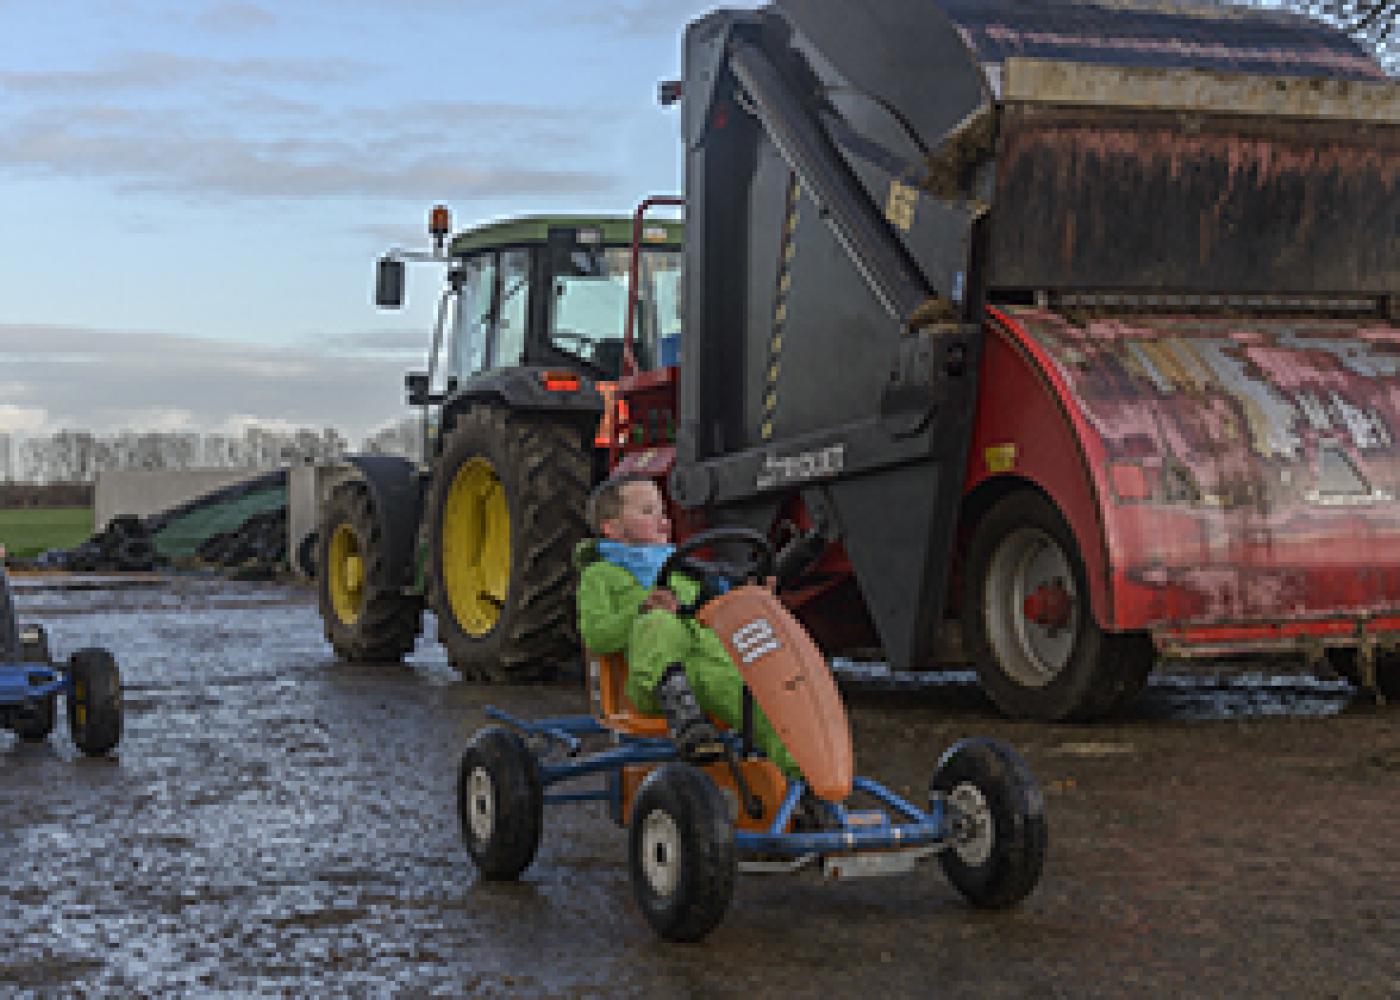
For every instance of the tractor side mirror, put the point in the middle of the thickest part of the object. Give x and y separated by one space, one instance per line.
416 383
388 283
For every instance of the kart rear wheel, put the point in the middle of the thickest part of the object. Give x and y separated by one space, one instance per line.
681 852
996 822
500 803
94 701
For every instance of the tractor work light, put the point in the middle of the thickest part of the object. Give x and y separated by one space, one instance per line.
439 221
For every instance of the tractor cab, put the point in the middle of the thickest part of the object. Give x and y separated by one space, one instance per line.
547 294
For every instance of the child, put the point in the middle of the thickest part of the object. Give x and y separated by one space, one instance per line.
675 666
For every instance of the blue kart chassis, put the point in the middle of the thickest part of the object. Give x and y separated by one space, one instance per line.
857 831
24 682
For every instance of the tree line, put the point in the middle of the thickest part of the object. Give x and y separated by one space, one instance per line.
77 456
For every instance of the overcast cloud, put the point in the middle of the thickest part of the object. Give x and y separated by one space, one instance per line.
53 378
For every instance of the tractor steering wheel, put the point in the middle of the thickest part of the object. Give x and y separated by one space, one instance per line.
757 567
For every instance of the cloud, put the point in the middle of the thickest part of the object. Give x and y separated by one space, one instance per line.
108 381
280 149
160 71
239 17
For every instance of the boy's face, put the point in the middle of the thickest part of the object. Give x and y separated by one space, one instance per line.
642 520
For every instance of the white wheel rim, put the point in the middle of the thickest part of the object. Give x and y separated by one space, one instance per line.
1031 652
973 833
481 805
661 852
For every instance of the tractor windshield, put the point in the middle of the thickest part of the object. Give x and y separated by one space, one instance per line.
588 310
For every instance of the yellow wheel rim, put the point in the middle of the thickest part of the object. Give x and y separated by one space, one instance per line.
476 547
347 575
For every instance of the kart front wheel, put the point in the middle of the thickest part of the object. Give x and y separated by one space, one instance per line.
94 701
500 803
995 817
681 852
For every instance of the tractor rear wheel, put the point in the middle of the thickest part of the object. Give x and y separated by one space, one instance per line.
366 617
505 510
1039 652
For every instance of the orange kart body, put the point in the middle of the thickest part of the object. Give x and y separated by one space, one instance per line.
790 680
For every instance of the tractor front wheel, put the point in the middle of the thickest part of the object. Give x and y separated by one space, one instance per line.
505 510
366 616
1026 617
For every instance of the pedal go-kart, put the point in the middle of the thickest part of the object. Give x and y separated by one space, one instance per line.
691 827
30 683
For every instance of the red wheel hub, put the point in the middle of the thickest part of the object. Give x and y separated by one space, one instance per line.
1050 605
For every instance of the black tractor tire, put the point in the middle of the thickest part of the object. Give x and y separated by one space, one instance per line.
680 852
519 624
34 724
500 803
367 619
997 839
95 701
1075 672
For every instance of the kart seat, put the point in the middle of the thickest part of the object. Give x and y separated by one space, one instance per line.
607 690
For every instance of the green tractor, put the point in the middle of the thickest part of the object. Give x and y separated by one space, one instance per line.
529 337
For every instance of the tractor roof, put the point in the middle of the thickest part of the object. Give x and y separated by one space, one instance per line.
616 230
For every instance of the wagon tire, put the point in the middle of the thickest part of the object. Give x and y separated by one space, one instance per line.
367 618
1065 669
505 511
500 803
996 814
681 854
94 701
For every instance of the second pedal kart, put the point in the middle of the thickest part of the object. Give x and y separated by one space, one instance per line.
31 683
693 827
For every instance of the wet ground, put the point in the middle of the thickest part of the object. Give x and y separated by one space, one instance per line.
279 823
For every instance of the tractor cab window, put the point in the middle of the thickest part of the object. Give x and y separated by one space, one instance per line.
588 311
473 324
509 345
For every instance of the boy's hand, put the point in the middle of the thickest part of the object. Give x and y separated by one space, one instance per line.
661 598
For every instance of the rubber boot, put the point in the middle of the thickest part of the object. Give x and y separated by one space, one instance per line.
696 738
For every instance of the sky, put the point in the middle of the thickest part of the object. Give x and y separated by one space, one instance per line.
193 194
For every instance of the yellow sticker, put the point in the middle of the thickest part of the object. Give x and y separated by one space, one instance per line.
899 209
1000 457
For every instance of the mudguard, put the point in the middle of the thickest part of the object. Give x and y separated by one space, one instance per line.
790 681
397 492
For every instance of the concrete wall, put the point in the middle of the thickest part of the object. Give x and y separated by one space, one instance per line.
307 489
147 493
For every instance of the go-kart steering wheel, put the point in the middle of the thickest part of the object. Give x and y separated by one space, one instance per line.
757 567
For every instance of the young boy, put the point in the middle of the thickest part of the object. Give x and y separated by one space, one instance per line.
675 665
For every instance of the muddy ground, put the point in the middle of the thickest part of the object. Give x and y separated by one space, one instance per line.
279 823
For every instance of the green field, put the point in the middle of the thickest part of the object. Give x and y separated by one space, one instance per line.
27 531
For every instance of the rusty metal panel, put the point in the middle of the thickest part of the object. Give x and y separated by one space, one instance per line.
1110 198
1251 468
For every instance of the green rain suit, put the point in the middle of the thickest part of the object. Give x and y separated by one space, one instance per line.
610 621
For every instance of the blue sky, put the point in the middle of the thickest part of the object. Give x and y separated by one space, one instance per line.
192 194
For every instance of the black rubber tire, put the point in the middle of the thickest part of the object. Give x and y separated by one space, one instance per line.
1001 873
95 701
389 621
1104 672
544 467
1343 661
682 820
500 803
35 650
